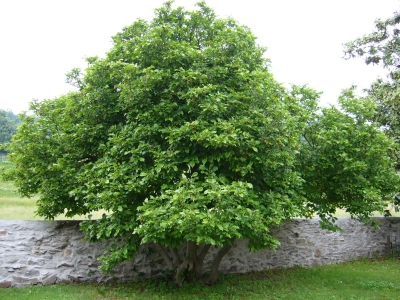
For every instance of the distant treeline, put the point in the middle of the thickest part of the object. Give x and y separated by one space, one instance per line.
8 127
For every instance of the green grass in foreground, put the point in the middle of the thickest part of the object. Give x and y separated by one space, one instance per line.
377 279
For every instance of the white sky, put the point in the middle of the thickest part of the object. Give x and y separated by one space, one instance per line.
42 40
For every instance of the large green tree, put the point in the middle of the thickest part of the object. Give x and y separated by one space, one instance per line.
184 137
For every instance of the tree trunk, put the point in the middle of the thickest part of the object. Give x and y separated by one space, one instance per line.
200 261
176 260
187 269
190 268
215 265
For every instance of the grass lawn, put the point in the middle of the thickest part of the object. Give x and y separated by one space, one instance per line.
366 279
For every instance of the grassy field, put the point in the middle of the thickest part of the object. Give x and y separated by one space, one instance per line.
377 279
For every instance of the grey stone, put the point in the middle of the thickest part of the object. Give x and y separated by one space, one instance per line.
35 261
5 284
65 264
49 279
32 273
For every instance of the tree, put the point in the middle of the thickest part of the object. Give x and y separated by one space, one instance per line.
13 116
8 127
182 135
382 47
346 161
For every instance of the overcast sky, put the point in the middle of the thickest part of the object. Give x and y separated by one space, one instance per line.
42 40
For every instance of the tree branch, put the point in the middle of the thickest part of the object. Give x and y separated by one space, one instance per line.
164 255
200 260
203 252
217 260
176 260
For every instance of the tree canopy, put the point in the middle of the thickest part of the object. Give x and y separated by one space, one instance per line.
382 47
346 161
184 137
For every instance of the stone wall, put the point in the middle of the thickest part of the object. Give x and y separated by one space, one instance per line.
41 252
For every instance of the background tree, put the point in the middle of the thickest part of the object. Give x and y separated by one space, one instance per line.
346 161
13 116
382 46
183 136
8 127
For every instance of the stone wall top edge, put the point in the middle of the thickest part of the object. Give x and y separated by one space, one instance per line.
340 220
38 222
41 221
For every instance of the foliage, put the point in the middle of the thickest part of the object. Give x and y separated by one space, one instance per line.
382 47
8 127
14 207
13 116
184 137
346 161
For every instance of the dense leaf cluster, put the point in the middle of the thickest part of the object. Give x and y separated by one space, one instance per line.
346 161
